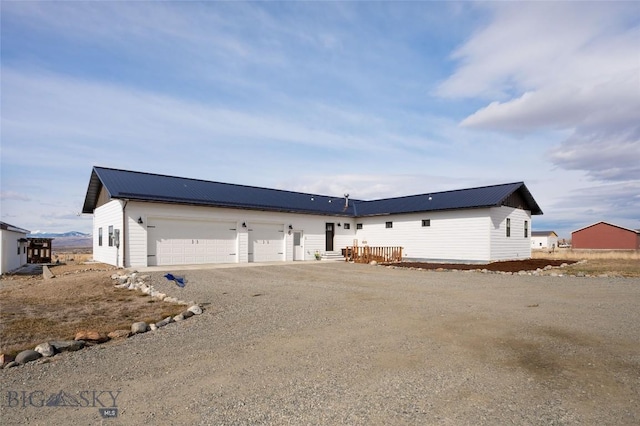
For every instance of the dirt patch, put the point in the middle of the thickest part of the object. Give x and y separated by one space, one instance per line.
506 266
81 296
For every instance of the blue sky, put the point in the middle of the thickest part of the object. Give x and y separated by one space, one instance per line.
376 99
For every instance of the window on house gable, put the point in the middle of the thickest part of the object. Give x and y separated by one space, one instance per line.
388 225
111 236
347 226
426 222
100 237
508 227
358 226
526 228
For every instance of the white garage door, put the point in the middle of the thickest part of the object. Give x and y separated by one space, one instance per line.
266 242
184 242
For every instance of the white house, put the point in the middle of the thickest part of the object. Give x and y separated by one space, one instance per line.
544 240
13 250
143 219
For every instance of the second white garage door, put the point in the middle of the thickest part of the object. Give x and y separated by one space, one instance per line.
266 242
182 242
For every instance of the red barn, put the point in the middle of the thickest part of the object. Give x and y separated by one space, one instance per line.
605 236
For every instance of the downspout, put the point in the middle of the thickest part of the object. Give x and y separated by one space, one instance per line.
122 243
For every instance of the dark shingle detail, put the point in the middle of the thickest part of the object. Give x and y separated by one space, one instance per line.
122 184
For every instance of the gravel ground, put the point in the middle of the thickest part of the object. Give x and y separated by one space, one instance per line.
335 343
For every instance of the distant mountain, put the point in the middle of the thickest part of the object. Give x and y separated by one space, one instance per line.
66 240
75 234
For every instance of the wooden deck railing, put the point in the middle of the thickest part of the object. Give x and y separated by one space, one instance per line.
366 254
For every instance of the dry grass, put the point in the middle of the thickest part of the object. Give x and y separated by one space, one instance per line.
625 263
587 254
34 310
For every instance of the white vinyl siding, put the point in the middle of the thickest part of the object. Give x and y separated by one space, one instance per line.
11 259
516 246
461 235
471 235
109 214
311 226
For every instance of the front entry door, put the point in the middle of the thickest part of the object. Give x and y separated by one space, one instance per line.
298 250
329 237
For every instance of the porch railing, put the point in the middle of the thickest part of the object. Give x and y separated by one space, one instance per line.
366 254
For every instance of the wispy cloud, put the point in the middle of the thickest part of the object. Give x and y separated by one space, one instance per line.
11 195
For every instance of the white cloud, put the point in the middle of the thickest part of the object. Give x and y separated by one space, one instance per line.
559 66
606 156
562 106
531 45
12 195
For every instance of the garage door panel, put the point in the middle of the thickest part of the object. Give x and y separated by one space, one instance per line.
181 242
266 243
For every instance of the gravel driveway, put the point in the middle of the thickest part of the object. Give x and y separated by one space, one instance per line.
335 343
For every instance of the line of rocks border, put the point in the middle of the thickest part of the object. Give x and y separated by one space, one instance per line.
43 352
537 272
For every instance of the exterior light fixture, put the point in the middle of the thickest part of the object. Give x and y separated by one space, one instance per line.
244 224
290 227
140 220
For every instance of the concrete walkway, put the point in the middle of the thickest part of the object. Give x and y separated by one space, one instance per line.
204 266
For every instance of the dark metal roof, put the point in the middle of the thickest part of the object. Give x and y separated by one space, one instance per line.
486 196
139 186
122 184
8 227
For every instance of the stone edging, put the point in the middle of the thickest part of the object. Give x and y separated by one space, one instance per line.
85 338
537 272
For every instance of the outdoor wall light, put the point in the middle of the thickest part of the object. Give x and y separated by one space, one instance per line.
290 227
140 220
338 223
244 224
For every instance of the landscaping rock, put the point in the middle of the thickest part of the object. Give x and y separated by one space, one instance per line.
195 309
27 356
153 327
139 327
45 349
11 364
187 314
91 336
119 334
46 273
68 345
167 320
5 359
178 317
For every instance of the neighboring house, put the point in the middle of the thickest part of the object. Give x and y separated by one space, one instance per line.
39 250
605 236
143 219
544 240
13 249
